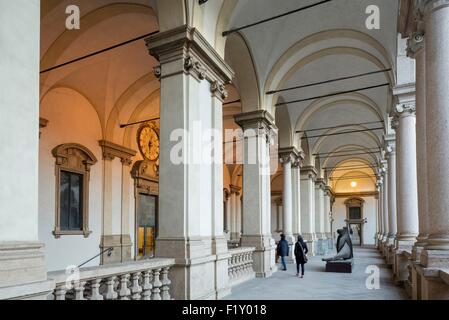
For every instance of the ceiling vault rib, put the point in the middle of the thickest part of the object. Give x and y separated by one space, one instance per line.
333 94
340 133
340 126
328 81
228 32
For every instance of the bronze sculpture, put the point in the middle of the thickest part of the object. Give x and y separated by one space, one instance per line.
344 246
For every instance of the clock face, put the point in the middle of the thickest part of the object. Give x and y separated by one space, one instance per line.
148 141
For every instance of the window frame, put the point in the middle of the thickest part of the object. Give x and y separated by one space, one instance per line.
65 154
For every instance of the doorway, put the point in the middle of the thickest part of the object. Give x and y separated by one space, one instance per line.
146 226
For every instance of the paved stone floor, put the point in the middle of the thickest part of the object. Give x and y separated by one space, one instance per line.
320 285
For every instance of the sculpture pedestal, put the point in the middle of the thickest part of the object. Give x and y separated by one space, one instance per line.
340 266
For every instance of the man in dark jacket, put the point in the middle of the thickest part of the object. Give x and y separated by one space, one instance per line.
301 251
282 251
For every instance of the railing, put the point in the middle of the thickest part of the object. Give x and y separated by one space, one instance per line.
240 265
136 280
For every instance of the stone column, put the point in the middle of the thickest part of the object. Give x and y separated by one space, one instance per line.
436 252
235 204
380 227
116 233
227 213
296 193
406 189
327 218
385 219
288 157
257 127
192 79
22 256
416 50
390 154
308 175
319 215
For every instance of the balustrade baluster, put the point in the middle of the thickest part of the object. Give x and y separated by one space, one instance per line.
136 289
156 292
165 284
79 290
60 292
124 292
95 285
146 285
110 293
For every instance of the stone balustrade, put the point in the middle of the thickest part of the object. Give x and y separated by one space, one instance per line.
240 265
135 280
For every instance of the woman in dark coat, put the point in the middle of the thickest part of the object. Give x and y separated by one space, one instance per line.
300 254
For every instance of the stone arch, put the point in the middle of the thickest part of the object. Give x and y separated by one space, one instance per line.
240 58
90 19
306 51
127 96
355 98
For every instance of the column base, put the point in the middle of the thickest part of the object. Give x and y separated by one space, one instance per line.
122 248
220 249
433 283
194 275
23 272
311 240
264 256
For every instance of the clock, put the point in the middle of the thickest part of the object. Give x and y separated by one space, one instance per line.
148 141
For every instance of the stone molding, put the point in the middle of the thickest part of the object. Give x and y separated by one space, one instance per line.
73 157
185 50
140 172
112 150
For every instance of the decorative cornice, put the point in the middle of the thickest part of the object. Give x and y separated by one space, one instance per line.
185 50
112 150
357 194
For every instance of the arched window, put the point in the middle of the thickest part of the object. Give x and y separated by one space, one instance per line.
73 162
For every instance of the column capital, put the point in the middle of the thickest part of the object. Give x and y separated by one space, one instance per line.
261 121
235 189
390 142
310 171
185 50
406 109
415 44
291 154
423 7
319 183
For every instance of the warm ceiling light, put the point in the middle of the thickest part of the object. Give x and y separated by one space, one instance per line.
353 184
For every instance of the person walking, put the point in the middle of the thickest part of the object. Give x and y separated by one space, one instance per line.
301 251
282 251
